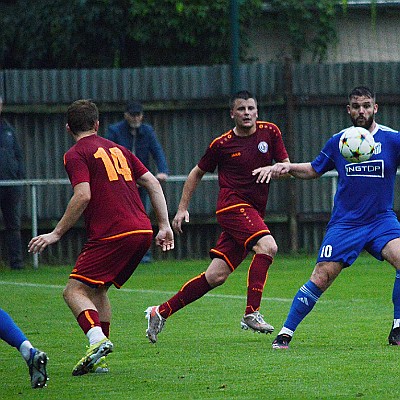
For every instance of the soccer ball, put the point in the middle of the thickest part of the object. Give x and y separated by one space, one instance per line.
356 144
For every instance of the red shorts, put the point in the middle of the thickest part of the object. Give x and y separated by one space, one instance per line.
242 228
111 261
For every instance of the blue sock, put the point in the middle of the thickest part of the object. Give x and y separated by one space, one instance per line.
9 331
396 295
302 304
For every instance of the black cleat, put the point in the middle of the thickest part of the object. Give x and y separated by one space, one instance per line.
394 337
281 342
37 368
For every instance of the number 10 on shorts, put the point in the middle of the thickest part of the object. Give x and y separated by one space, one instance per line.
326 251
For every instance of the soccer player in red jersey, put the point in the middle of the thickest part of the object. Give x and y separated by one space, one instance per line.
241 204
104 177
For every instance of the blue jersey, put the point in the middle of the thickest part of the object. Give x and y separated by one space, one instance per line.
365 190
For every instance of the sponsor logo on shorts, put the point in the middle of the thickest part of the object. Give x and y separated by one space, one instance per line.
373 169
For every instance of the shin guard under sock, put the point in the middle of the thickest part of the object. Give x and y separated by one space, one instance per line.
302 304
256 278
190 291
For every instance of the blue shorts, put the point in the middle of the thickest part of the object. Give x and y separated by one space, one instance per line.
343 243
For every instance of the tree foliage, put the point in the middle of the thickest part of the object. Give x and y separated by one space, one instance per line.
65 34
137 33
310 26
117 33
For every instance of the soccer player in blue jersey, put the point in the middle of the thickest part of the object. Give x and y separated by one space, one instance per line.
36 359
362 216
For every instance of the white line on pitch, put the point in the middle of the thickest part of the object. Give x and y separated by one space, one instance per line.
225 296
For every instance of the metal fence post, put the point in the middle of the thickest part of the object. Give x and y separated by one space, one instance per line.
34 222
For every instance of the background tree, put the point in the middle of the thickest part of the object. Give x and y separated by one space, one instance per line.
137 33
65 34
118 33
310 26
189 31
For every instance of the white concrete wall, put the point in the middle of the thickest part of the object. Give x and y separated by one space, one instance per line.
358 39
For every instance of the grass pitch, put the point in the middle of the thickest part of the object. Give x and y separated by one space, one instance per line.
340 350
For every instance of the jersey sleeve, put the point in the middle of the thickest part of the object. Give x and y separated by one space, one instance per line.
325 160
209 161
76 167
280 152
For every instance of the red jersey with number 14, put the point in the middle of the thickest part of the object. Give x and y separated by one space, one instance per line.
115 207
236 157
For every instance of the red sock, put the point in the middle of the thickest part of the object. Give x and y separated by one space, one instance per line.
105 327
190 291
256 278
88 319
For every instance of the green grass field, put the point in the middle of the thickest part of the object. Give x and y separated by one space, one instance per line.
340 351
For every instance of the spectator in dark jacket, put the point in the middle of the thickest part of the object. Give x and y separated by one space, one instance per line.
142 141
12 167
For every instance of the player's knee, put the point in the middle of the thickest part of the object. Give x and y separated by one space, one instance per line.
217 272
272 250
325 273
266 245
216 278
66 294
320 280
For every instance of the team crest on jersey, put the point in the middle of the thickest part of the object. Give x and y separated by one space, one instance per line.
263 147
378 148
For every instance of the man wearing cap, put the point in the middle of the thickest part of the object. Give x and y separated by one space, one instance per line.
12 167
142 140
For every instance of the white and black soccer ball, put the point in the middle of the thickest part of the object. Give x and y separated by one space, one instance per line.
356 144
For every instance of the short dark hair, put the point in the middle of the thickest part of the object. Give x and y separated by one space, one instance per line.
362 91
82 115
243 94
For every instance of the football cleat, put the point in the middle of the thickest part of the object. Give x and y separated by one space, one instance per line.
394 337
256 323
155 323
100 367
37 368
93 354
281 342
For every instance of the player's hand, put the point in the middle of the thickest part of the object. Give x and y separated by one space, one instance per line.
271 172
165 239
39 243
177 221
263 174
278 170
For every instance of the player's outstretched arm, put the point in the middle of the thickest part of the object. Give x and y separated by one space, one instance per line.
165 236
303 171
193 179
264 173
298 170
73 212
